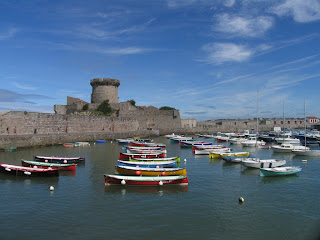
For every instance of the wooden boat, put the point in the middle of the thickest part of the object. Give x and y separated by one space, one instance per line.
228 154
257 163
10 149
145 180
56 166
279 171
27 171
59 159
142 148
124 140
154 164
70 145
147 144
177 159
127 156
144 171
83 144
135 151
207 151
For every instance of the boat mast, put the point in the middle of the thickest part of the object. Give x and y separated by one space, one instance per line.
305 126
283 123
257 119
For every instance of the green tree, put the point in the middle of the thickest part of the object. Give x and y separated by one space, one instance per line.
85 107
167 108
104 108
133 102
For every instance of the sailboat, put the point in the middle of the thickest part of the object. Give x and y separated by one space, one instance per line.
306 152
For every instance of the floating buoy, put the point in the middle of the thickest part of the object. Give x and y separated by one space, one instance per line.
157 166
123 182
185 160
138 172
241 199
51 188
304 160
160 183
163 173
111 141
65 161
46 160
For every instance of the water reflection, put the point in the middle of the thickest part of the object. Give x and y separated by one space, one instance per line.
283 179
156 190
251 171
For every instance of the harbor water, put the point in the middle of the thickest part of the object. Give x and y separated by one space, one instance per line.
81 207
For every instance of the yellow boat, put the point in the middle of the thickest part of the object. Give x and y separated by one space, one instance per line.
224 154
128 170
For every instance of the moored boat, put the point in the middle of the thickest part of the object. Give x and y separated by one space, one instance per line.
267 163
153 164
27 171
311 153
279 171
59 159
127 156
228 154
70 145
144 171
145 180
177 159
56 166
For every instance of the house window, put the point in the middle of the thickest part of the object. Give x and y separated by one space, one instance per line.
300 122
245 123
288 122
235 123
274 122
281 122
295 122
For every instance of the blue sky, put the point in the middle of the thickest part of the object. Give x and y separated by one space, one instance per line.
206 58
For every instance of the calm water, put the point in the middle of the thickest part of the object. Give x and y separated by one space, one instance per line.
81 207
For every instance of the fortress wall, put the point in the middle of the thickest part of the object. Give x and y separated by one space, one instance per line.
166 121
45 123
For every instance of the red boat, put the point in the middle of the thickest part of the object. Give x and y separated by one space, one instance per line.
147 144
27 171
145 180
127 156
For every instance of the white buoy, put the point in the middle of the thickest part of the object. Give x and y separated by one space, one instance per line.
111 141
185 160
304 160
241 199
160 183
51 188
123 182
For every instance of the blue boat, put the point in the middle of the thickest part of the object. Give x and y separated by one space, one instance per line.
279 171
101 141
152 164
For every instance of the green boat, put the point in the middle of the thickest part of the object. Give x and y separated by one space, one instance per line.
279 171
57 166
177 159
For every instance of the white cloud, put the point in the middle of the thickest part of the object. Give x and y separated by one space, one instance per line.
301 10
8 34
229 3
180 3
24 87
226 52
241 26
125 51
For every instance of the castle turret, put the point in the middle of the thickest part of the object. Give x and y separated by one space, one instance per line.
104 89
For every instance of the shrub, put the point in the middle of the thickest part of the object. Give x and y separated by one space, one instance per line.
167 108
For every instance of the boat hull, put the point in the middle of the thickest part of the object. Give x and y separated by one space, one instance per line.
232 154
127 156
280 171
59 159
270 163
137 171
145 181
154 164
177 159
27 171
55 166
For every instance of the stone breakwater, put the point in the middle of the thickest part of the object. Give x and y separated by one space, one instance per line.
30 140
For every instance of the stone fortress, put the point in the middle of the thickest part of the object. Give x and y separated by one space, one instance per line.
73 121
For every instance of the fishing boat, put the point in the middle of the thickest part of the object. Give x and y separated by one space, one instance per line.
145 180
27 171
207 151
287 147
154 164
70 145
124 140
127 156
136 151
83 144
59 159
56 166
279 171
228 154
267 163
252 141
10 149
177 159
144 171
100 141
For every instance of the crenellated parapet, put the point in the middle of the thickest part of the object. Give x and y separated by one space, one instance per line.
104 89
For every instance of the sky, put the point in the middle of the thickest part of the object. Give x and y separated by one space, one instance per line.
209 59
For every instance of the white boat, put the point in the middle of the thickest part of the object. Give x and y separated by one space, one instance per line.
311 153
287 147
267 163
125 140
207 151
215 146
82 144
252 141
279 171
237 140
287 139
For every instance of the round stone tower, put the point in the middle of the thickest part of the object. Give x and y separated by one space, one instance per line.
103 89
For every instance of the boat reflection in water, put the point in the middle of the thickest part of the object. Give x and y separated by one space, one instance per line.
157 190
282 179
